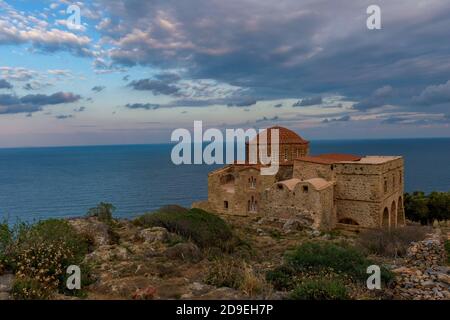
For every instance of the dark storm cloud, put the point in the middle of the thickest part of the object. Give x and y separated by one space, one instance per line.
5 84
157 87
424 119
98 88
256 45
243 103
433 95
308 102
28 87
56 98
10 104
266 119
340 119
377 99
168 77
145 106
64 116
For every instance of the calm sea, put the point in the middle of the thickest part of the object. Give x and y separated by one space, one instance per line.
37 183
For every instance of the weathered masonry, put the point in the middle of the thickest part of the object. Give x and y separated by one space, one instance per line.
320 192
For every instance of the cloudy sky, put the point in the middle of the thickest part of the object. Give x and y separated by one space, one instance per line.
137 69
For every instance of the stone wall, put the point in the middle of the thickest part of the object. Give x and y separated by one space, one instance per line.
236 190
425 275
305 170
305 204
367 193
363 196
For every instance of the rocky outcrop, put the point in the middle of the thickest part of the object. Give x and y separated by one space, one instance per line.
154 234
424 276
92 228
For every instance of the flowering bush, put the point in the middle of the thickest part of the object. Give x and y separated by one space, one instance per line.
29 289
39 256
44 263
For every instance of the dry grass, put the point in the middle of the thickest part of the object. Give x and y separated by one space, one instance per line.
237 274
391 243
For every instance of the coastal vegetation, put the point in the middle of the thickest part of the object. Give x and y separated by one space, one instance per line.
319 289
393 242
201 227
181 253
426 208
103 211
39 255
322 270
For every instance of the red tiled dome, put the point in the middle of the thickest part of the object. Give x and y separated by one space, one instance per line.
286 136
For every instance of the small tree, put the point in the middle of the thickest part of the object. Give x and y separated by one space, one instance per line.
103 211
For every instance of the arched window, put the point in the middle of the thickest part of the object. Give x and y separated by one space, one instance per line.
252 182
252 205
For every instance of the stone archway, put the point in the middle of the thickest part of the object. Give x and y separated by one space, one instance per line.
385 218
393 216
400 213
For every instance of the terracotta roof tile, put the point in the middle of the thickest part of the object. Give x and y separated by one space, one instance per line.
316 160
330 158
286 136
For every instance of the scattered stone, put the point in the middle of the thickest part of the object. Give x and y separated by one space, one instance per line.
291 225
154 234
198 288
425 277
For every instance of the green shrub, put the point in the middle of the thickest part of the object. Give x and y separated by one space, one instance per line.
6 240
56 231
317 289
203 228
315 256
427 208
29 289
103 211
173 208
45 252
391 242
39 255
281 278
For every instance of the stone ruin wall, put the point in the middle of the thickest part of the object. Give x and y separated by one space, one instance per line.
358 193
243 190
313 209
304 170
